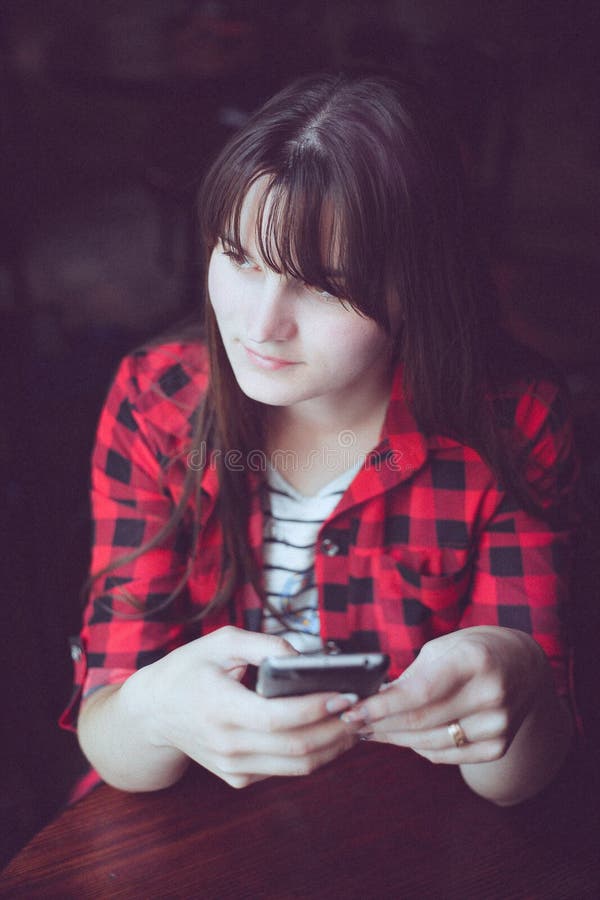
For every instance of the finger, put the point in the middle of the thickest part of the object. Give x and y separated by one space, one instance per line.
418 688
473 698
232 704
277 714
486 726
235 780
286 765
480 752
294 743
235 705
231 646
437 687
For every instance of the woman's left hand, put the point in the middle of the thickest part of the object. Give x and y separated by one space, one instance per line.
485 680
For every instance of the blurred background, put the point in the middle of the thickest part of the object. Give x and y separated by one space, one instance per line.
110 113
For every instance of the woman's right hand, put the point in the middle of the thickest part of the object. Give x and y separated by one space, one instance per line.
192 701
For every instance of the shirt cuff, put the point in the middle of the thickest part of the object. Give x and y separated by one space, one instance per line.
86 681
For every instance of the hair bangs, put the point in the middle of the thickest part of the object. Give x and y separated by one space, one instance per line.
220 206
305 225
298 231
311 225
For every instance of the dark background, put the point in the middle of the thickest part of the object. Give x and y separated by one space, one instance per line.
109 114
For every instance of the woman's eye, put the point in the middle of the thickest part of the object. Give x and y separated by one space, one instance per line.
320 292
238 259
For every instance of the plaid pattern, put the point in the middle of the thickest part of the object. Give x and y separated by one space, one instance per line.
423 542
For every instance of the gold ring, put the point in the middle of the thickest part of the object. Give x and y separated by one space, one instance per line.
457 734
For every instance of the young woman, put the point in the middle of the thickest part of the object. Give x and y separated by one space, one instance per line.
352 456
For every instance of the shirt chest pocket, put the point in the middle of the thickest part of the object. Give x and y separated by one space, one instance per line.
415 588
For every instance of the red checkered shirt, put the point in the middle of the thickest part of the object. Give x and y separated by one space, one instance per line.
423 542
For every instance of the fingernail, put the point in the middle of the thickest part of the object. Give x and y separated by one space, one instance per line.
341 702
354 715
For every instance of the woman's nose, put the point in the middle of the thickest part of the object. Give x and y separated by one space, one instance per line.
271 316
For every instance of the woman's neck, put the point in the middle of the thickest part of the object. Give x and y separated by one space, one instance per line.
310 444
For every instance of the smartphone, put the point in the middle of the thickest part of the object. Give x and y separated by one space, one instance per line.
349 673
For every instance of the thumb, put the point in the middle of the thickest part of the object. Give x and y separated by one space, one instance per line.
234 648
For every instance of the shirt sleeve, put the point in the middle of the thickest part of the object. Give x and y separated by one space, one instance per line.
524 560
127 622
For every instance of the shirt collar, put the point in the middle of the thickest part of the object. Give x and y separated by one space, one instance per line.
400 433
401 452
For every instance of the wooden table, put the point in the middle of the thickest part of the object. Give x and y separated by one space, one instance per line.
378 823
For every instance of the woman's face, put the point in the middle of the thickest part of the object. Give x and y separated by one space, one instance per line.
289 343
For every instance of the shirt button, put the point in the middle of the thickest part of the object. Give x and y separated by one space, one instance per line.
329 547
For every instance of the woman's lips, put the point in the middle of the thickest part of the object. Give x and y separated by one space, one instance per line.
267 362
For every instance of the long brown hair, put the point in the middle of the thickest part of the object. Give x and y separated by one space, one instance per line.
378 155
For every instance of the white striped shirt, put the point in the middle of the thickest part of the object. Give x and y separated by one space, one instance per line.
292 522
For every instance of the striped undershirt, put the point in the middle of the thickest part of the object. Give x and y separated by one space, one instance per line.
292 523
